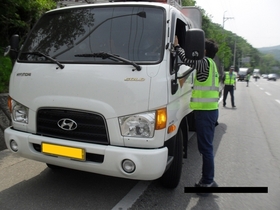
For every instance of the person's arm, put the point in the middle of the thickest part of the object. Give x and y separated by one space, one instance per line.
234 82
223 78
200 65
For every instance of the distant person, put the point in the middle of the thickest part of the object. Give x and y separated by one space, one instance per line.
247 79
230 85
204 102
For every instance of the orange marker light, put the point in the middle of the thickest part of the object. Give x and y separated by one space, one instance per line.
171 128
10 103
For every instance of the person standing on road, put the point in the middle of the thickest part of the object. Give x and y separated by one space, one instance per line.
230 85
204 102
247 78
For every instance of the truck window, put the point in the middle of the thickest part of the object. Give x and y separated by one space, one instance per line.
134 33
180 32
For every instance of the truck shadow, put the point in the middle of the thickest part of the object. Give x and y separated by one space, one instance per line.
65 189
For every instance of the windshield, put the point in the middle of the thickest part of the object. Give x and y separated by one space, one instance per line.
134 33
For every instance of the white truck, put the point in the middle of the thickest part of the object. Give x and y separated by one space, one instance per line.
256 74
99 88
242 72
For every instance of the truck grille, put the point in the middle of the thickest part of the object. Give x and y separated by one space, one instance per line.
89 127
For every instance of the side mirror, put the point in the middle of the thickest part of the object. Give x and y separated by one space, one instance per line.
14 43
194 44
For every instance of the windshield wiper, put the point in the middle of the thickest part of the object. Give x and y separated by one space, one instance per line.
105 55
46 56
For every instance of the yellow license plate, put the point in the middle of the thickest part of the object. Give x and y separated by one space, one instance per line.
64 151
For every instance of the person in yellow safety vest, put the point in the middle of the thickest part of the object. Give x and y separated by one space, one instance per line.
204 102
247 78
230 85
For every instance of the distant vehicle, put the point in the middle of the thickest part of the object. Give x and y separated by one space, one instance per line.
242 73
264 76
256 74
272 77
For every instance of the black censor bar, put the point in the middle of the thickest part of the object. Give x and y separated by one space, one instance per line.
226 190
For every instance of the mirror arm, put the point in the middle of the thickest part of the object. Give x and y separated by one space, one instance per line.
176 65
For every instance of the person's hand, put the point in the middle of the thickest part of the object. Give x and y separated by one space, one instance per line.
176 42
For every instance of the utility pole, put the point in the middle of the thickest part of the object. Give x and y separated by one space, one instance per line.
224 20
234 53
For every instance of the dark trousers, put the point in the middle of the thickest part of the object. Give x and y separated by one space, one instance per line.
205 128
230 89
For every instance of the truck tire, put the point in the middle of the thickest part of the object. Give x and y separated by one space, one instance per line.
171 177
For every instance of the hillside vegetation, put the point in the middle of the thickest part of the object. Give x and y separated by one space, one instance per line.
275 51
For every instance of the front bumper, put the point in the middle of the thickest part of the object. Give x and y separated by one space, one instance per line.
150 163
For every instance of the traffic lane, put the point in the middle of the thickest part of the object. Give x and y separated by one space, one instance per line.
27 184
243 158
267 109
268 86
252 159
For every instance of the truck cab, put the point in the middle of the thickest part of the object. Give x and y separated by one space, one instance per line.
256 74
99 88
242 73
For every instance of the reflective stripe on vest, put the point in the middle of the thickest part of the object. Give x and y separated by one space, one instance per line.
205 95
206 88
204 99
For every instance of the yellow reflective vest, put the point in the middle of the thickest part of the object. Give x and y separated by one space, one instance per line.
205 95
229 80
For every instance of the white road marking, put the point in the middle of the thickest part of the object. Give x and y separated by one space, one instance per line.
132 196
268 93
277 101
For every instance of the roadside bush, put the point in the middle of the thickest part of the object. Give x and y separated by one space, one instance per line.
5 71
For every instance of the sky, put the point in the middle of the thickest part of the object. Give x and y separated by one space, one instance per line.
257 21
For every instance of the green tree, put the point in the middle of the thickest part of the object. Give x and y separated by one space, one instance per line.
5 70
17 17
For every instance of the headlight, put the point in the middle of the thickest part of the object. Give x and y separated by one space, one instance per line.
138 125
19 112
143 125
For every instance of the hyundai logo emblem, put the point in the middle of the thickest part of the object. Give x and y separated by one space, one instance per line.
67 124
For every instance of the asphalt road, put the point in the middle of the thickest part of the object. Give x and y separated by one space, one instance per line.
247 154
